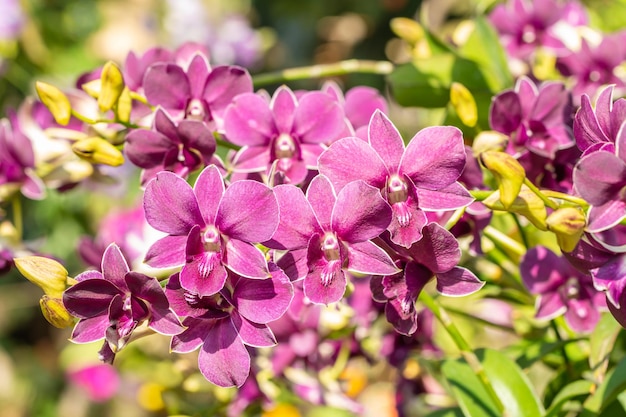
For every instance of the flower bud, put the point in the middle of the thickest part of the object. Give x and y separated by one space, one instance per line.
98 151
526 203
124 106
112 86
408 29
464 104
56 101
568 224
489 140
46 273
508 172
92 87
54 311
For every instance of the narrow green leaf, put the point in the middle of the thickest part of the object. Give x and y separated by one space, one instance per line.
446 412
607 392
601 343
469 392
569 392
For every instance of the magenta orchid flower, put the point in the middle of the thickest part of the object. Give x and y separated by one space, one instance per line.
437 254
286 129
327 234
561 290
112 303
180 148
210 228
422 176
225 323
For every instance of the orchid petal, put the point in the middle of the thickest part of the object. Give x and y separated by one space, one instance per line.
209 189
283 107
458 282
317 118
223 359
89 330
193 337
367 258
167 252
90 297
114 266
245 259
166 85
322 199
248 121
251 333
386 140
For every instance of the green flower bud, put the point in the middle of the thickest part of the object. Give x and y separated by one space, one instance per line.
568 224
526 203
112 86
508 172
56 101
98 151
464 104
46 273
489 140
54 311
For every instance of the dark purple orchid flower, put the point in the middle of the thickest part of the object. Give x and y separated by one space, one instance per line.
327 234
285 129
422 176
225 323
437 254
594 65
561 289
537 119
196 92
526 25
180 148
17 164
112 303
210 227
598 129
600 178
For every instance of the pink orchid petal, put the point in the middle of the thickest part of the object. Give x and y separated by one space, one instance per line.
599 177
386 140
367 258
223 359
283 107
549 306
322 199
251 333
248 121
90 297
245 259
458 282
167 252
223 84
451 197
361 103
90 329
439 250
197 73
166 85
606 216
203 274
318 118
193 337
209 188
114 266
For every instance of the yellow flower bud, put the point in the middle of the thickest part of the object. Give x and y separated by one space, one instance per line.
56 101
526 203
112 86
93 87
568 224
54 311
489 140
124 106
98 151
46 273
464 104
281 410
408 29
508 172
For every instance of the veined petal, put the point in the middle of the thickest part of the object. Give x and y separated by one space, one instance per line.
90 297
611 277
599 177
193 337
283 105
325 282
147 148
294 264
197 73
203 274
458 282
248 211
360 213
114 266
351 159
435 157
245 259
439 250
367 258
322 199
167 252
248 121
166 85
209 189
90 329
263 300
318 118
386 140
223 359
604 217
297 220
223 84
452 197
170 204
251 333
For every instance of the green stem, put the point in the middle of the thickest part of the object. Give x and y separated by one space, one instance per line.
221 142
520 229
542 196
504 241
87 120
456 216
576 200
17 216
350 66
480 195
466 351
568 363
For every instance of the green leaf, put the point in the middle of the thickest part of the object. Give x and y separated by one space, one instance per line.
483 47
466 387
446 412
601 344
607 392
568 393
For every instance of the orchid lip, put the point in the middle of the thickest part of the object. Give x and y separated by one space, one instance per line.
397 190
195 110
284 147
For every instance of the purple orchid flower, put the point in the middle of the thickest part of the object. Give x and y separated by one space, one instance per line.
561 289
225 323
17 163
328 234
437 254
210 227
598 129
593 65
180 148
135 67
196 91
285 129
526 25
112 303
12 19
537 119
600 178
422 176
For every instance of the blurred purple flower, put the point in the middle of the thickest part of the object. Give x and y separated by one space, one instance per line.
437 254
537 119
210 227
100 382
11 19
285 129
422 176
112 303
561 289
225 323
326 234
180 148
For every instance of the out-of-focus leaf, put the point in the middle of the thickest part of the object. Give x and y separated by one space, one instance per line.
483 47
601 343
533 351
607 392
569 392
446 412
468 391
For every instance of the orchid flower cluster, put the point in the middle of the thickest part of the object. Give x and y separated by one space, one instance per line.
262 210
